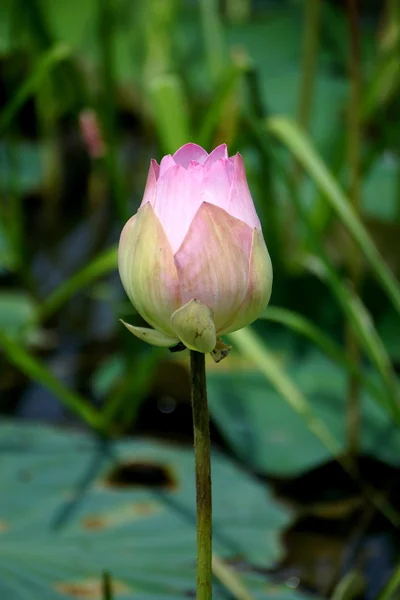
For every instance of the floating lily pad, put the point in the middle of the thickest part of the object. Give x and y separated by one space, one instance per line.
17 311
72 506
268 435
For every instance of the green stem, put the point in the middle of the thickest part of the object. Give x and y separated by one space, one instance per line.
107 586
203 474
106 34
309 58
391 586
354 154
213 38
312 10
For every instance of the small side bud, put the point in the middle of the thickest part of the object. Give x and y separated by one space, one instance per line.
220 351
194 325
91 133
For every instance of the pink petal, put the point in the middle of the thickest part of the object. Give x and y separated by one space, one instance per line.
259 287
151 183
189 152
156 167
241 203
195 165
213 262
218 152
177 200
217 183
166 163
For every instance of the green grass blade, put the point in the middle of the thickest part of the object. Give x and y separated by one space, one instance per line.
250 345
350 587
230 579
256 351
361 321
390 590
44 66
136 385
170 111
106 41
306 328
222 95
213 38
311 34
350 303
300 145
34 369
101 265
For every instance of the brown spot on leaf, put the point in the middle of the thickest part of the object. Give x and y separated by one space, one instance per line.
4 526
126 513
91 589
94 523
140 474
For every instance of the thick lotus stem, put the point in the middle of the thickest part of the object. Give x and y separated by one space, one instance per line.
203 475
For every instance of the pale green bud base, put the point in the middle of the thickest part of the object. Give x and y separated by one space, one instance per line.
151 336
194 325
195 330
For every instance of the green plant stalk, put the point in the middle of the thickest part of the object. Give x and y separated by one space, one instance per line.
358 315
255 350
230 579
354 266
350 303
349 587
107 586
317 336
170 110
312 10
33 368
213 38
221 97
101 265
202 452
45 64
310 42
300 145
398 192
106 36
270 215
391 587
13 214
250 345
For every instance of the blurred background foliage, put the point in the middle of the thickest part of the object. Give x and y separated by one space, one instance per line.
308 402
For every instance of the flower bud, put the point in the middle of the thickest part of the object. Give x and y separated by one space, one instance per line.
193 260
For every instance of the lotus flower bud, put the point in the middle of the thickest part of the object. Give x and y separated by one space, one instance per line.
91 133
193 260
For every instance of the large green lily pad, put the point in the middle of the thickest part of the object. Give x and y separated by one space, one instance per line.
268 435
72 506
